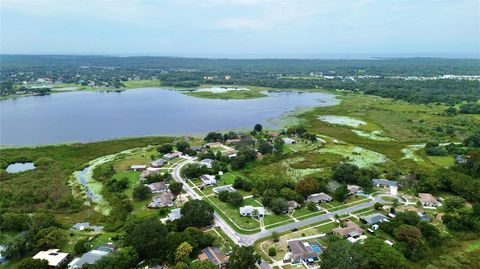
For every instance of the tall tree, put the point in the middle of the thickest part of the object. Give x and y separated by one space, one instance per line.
148 237
243 257
342 254
182 253
196 213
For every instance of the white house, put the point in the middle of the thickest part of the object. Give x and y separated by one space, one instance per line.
248 210
52 256
288 140
137 168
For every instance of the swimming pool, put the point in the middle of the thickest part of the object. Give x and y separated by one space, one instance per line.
316 247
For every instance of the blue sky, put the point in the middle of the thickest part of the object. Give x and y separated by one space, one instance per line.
242 28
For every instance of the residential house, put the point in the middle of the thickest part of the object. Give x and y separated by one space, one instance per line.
81 226
460 159
292 205
138 168
54 257
206 162
274 134
164 199
215 256
214 145
424 217
354 189
181 199
208 180
374 218
173 155
92 256
301 251
248 210
149 172
351 231
288 140
196 148
158 163
428 200
175 214
387 184
319 197
230 153
232 141
228 188
158 187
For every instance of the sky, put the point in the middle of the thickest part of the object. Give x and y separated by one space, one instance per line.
243 28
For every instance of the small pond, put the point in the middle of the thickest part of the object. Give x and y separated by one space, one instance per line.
19 167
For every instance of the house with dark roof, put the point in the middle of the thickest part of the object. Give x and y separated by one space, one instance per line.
215 256
319 197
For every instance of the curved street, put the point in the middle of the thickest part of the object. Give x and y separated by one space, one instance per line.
249 239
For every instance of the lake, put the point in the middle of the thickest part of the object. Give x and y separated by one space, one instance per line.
19 167
86 116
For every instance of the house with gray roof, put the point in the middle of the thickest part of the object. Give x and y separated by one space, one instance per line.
92 256
158 163
208 180
162 200
228 188
158 187
175 214
374 218
80 226
319 197
206 162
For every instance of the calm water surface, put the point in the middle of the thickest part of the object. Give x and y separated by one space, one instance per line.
19 167
93 116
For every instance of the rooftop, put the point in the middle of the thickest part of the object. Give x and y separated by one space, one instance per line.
374 218
53 256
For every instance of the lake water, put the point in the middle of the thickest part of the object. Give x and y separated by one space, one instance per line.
92 116
19 167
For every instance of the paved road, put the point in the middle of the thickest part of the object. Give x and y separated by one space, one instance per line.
249 239
237 238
